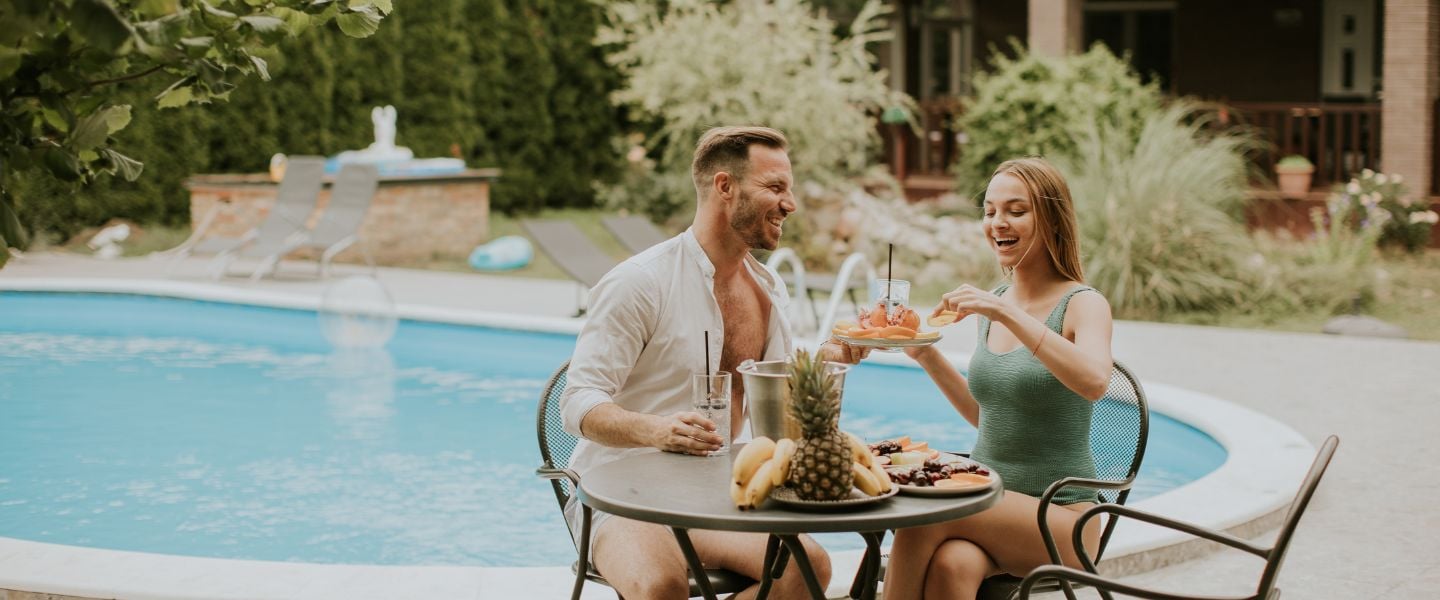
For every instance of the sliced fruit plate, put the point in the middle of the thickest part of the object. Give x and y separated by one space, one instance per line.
919 470
925 338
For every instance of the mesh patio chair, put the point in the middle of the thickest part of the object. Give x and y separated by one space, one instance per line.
1119 427
556 446
339 226
635 232
565 244
294 201
1274 555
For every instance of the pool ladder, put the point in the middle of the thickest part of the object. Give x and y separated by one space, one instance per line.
801 293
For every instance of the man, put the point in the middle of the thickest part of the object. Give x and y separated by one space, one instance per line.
629 379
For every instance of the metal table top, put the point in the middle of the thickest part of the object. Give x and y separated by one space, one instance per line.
693 492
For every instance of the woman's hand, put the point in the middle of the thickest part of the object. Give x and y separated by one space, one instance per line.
835 350
969 300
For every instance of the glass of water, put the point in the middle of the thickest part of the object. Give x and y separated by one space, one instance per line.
710 394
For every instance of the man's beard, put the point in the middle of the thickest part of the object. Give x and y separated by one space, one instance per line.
748 223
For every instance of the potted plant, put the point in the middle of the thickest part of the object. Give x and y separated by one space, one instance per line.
1293 175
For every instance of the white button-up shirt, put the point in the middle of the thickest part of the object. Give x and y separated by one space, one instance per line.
645 337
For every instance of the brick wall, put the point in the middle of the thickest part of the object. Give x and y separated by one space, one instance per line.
411 220
1411 84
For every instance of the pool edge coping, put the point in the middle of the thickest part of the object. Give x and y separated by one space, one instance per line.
1266 462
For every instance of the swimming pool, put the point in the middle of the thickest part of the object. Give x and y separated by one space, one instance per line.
206 429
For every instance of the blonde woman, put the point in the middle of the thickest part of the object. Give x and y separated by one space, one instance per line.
1042 359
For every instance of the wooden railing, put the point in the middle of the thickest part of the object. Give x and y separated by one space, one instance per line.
1339 139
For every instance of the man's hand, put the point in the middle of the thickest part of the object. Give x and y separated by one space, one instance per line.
837 351
685 433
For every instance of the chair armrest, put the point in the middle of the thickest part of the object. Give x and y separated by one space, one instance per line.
1067 574
1054 490
1201 532
552 473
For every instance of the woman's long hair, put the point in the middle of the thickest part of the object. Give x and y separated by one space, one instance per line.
1054 212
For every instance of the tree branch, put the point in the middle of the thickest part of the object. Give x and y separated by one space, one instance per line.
92 84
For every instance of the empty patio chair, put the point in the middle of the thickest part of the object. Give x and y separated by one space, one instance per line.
294 201
556 445
1119 427
565 244
1274 555
339 226
635 232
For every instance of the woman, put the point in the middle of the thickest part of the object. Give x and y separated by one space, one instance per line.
1042 359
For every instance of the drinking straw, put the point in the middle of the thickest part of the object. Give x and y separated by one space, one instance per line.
707 363
889 275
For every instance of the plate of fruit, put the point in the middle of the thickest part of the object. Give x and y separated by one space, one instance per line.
876 328
920 471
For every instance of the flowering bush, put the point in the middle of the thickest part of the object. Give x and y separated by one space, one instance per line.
1380 202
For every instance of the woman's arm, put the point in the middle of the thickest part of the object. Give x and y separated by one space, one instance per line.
949 380
1083 364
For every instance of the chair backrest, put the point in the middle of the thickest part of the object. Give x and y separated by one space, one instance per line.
294 199
350 198
556 444
1292 517
635 232
565 244
1118 431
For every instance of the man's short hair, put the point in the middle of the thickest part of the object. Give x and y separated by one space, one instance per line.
728 149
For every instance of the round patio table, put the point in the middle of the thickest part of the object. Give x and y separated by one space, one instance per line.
693 492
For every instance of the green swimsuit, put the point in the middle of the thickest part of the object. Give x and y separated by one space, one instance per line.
1033 430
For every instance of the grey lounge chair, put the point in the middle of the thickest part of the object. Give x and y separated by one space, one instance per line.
294 201
635 232
1274 555
339 226
556 445
565 244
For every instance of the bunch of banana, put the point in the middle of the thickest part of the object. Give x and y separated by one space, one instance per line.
759 467
764 464
870 477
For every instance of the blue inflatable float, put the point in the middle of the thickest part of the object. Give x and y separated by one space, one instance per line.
502 254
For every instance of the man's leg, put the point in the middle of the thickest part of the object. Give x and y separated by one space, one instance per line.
643 560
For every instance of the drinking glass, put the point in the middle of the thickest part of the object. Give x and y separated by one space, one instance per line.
710 396
889 294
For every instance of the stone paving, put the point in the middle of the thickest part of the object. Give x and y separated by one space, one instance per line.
1372 531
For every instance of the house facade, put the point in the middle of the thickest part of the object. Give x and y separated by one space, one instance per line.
1349 84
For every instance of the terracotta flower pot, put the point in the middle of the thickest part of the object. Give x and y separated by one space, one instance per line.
1294 181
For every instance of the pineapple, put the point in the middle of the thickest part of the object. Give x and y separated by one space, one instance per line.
820 469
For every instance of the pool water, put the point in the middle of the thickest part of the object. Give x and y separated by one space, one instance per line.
206 429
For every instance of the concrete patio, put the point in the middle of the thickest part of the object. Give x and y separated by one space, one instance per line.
1369 533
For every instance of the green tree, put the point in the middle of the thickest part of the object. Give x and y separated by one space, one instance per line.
61 61
580 106
435 110
524 129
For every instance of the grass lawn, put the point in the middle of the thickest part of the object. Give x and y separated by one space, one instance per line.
1409 295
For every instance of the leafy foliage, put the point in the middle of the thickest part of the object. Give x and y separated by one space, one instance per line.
1381 201
1036 105
692 65
60 61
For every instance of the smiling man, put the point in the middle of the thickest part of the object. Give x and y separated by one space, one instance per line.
629 379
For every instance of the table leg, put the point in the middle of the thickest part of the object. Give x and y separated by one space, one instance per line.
697 568
802 560
772 548
867 578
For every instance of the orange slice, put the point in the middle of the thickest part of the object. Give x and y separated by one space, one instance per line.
943 319
927 335
969 478
916 446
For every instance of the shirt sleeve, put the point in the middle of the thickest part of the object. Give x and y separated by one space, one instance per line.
623 313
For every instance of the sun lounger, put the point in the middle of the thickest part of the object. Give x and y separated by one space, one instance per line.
574 253
339 226
294 201
635 232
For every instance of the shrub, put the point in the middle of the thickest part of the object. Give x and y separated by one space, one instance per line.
695 65
1035 105
1380 201
1155 211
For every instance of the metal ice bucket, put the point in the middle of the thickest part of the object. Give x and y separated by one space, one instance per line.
767 396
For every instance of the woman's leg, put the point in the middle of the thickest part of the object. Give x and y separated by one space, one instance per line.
957 570
1007 533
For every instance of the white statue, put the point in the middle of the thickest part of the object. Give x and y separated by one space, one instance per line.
384 149
384 120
